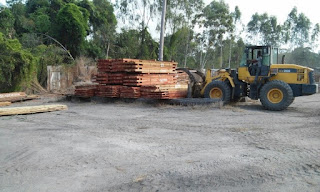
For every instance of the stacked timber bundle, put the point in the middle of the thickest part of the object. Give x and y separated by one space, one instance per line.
164 91
104 66
182 77
130 92
133 78
112 91
85 90
142 66
110 78
149 79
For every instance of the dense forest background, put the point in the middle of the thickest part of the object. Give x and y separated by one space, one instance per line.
38 33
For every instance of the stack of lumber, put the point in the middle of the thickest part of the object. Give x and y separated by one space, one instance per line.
149 79
136 66
134 78
31 109
112 91
85 90
16 97
104 66
165 91
130 92
110 78
182 77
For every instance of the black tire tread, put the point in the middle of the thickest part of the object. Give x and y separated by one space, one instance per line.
223 86
287 95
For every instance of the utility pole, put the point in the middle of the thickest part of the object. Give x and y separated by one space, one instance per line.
163 21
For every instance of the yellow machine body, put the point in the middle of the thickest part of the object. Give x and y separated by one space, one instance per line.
260 77
222 75
289 73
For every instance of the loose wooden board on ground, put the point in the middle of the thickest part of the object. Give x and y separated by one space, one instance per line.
5 104
31 109
16 97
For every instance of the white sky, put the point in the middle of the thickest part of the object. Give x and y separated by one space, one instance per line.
278 8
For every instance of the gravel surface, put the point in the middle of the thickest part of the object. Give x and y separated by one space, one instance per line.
119 146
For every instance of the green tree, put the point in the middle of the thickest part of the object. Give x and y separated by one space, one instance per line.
7 22
218 22
180 16
263 29
54 7
22 23
176 46
180 13
315 36
71 27
34 5
236 15
42 22
17 66
297 29
104 25
127 45
48 55
303 56
138 11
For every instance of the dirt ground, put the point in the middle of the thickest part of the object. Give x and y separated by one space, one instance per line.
119 146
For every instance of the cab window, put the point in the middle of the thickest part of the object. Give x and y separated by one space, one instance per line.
274 56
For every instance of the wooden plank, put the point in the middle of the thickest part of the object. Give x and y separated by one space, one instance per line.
31 109
19 98
8 97
13 94
5 104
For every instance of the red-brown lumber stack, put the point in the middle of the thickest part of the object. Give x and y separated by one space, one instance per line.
104 66
134 78
142 66
182 77
165 91
109 91
149 79
86 90
130 92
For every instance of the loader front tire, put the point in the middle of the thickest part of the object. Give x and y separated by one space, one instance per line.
276 95
218 90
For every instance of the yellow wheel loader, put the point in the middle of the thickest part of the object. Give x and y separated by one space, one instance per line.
258 77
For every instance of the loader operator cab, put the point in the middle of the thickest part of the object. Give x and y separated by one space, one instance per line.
251 56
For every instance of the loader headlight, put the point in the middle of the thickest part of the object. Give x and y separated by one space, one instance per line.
274 71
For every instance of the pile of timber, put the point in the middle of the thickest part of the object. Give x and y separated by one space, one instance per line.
111 91
130 92
182 77
164 91
149 79
85 90
8 98
133 78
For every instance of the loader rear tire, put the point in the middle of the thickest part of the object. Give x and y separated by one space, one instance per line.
276 95
218 90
